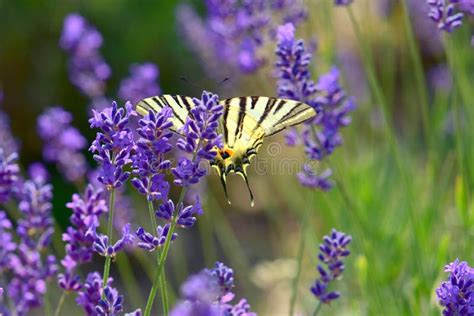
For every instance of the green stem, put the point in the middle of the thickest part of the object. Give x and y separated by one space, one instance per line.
458 124
108 259
47 304
418 71
164 254
162 281
60 304
164 293
300 255
368 61
318 308
369 66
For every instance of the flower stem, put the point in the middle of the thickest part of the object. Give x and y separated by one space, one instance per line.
108 259
164 293
47 304
368 60
318 308
300 255
163 257
418 72
60 304
458 122
163 287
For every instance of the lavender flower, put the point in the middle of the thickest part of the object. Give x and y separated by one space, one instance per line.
342 2
63 143
466 6
69 282
200 129
36 225
85 215
111 304
91 293
189 308
443 12
150 242
430 42
332 114
332 252
456 294
137 312
87 69
6 240
37 172
236 31
26 261
200 138
308 178
242 308
141 84
187 172
209 293
203 287
185 215
9 175
113 144
30 274
104 248
30 270
294 79
8 143
321 135
149 161
225 277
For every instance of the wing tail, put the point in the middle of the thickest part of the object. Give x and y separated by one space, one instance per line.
224 185
244 175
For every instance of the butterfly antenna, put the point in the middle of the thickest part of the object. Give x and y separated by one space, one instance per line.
224 80
224 185
191 83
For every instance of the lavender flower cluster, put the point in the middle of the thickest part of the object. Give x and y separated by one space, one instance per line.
89 71
320 136
332 252
150 165
210 293
113 144
9 143
62 143
456 294
23 256
444 13
233 32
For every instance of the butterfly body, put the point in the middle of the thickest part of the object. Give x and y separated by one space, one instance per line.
245 122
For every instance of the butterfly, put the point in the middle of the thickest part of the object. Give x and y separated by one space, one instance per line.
245 122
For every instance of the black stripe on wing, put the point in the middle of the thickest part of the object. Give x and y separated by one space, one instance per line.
180 106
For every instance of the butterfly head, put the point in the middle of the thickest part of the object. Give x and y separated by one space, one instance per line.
233 160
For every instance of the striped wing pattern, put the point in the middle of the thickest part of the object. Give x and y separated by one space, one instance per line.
180 105
245 118
249 119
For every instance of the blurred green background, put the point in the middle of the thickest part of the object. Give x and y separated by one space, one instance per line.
407 204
